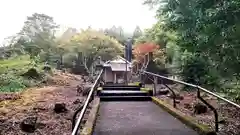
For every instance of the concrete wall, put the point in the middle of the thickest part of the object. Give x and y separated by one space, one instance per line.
108 75
120 76
120 66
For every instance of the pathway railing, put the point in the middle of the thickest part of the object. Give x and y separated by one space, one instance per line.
83 108
199 89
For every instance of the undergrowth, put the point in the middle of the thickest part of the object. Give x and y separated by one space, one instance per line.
10 74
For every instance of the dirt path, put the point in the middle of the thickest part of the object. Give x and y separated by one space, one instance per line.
39 102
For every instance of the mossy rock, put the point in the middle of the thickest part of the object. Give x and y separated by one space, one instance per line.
32 73
200 108
47 68
79 70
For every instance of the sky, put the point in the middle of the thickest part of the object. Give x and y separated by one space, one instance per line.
76 13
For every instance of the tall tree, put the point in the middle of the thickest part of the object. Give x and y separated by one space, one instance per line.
116 33
137 32
120 31
38 27
210 28
207 36
39 32
93 44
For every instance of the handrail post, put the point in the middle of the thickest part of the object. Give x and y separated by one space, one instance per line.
199 88
84 107
155 82
140 77
211 107
173 93
75 116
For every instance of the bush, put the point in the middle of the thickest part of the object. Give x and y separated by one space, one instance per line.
197 70
11 83
68 59
10 74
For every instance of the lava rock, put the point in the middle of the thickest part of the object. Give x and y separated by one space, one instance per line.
29 124
200 108
211 133
41 125
178 96
60 108
101 84
79 90
2 120
31 73
177 101
77 101
86 90
47 68
39 108
222 121
187 106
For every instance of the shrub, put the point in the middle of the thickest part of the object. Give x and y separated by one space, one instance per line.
197 70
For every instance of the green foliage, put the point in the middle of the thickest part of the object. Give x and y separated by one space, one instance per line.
37 35
14 63
137 33
204 41
166 41
11 83
158 35
69 58
207 27
232 90
117 33
10 74
93 44
194 68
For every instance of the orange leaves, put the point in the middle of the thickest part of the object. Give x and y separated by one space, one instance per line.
142 49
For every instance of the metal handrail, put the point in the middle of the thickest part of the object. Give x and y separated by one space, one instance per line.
199 88
75 130
194 86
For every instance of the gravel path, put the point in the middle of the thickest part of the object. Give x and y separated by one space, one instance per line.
137 118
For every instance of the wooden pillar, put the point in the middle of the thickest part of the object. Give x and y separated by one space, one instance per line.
145 59
155 85
137 67
150 55
105 74
115 77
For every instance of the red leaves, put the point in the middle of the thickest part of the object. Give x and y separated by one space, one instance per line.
145 48
141 49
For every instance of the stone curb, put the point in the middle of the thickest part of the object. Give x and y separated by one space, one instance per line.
90 123
189 121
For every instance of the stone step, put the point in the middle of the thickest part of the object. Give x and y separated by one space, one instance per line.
125 98
123 93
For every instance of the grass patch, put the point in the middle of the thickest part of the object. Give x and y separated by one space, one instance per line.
14 64
10 74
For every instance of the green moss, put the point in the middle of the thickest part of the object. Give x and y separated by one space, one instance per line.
99 88
189 121
145 89
10 74
134 84
14 64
